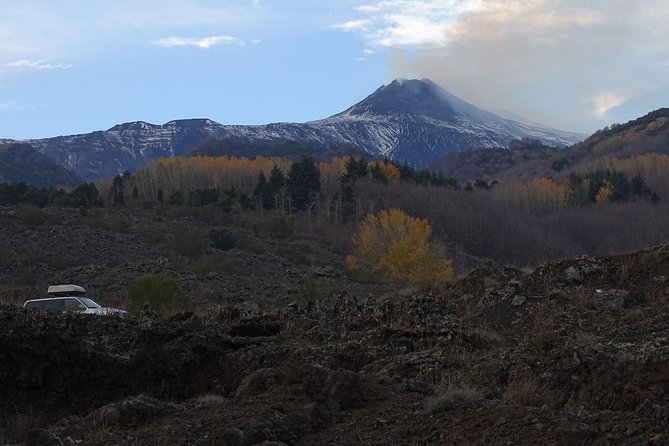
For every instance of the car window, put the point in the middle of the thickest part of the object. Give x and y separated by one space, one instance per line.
54 304
39 304
89 302
73 305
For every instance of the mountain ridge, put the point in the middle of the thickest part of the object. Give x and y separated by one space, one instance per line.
21 162
412 121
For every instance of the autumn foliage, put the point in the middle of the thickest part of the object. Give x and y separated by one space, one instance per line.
399 245
511 221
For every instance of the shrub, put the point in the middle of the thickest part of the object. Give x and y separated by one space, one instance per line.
246 202
279 227
294 254
222 239
160 292
31 215
188 242
26 277
219 263
34 254
5 259
152 234
399 245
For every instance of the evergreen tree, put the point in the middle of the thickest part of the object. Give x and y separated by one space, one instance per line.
116 190
263 192
276 179
85 195
355 169
378 174
304 181
276 186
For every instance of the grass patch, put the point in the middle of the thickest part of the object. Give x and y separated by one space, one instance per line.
582 298
295 254
20 423
524 392
365 276
310 291
657 298
488 337
106 221
219 263
453 397
540 338
32 216
160 292
402 295
251 245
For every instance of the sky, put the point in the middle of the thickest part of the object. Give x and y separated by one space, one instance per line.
76 66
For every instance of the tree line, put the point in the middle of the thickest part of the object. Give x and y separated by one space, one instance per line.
607 209
85 195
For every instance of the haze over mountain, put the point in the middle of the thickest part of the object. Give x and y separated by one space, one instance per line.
413 121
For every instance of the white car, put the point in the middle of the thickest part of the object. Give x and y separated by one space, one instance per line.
70 298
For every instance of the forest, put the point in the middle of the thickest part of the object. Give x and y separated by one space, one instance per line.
606 207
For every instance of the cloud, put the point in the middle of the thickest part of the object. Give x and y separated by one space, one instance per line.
352 25
396 23
204 42
568 63
76 28
36 65
13 106
604 102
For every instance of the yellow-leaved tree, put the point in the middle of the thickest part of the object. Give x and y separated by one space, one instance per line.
399 245
605 192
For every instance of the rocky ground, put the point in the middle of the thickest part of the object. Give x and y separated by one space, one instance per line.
104 251
573 353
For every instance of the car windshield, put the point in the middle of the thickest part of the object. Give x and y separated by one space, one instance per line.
89 303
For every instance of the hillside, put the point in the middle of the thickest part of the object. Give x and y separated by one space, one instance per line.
649 133
413 121
529 158
284 348
21 162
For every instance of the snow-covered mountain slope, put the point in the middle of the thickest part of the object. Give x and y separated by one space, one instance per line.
418 122
414 121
